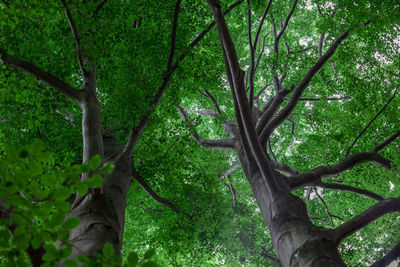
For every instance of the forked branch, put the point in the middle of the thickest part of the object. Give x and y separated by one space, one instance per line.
369 215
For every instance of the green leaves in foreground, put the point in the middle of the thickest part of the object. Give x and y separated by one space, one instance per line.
34 202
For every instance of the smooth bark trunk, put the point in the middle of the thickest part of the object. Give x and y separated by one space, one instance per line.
103 216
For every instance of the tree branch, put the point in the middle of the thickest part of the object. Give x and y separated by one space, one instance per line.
369 215
242 108
393 254
204 113
207 94
276 41
298 91
371 121
153 194
139 127
316 174
75 36
99 6
387 142
349 188
230 170
329 98
41 75
221 144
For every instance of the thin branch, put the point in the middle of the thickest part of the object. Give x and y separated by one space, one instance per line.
328 99
298 91
230 170
324 204
316 174
154 195
253 48
290 52
349 188
173 36
42 75
7 4
393 254
286 22
138 129
75 36
371 121
220 144
99 6
150 209
369 215
233 191
387 142
207 94
204 113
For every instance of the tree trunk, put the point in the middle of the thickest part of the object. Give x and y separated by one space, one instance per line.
103 216
296 240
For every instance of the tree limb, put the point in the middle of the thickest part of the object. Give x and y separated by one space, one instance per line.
99 6
75 36
299 89
139 127
349 188
242 108
316 174
207 94
204 113
153 194
230 170
221 144
393 254
41 75
387 142
369 215
329 98
371 121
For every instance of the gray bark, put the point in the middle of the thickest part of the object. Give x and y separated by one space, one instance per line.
103 216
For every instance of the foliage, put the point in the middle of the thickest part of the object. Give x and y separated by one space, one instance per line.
130 62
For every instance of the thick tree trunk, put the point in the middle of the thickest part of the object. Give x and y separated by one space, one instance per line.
296 240
103 216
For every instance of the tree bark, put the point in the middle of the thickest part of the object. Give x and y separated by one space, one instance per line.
103 216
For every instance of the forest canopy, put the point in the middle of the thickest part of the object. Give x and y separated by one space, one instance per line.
199 133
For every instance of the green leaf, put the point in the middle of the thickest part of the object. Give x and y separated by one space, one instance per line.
108 250
82 188
71 263
108 168
149 253
96 181
94 162
133 259
82 259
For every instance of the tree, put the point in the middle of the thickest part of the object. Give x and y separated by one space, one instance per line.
113 53
297 241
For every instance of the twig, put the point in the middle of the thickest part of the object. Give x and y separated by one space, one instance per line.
230 170
371 121
387 142
99 6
